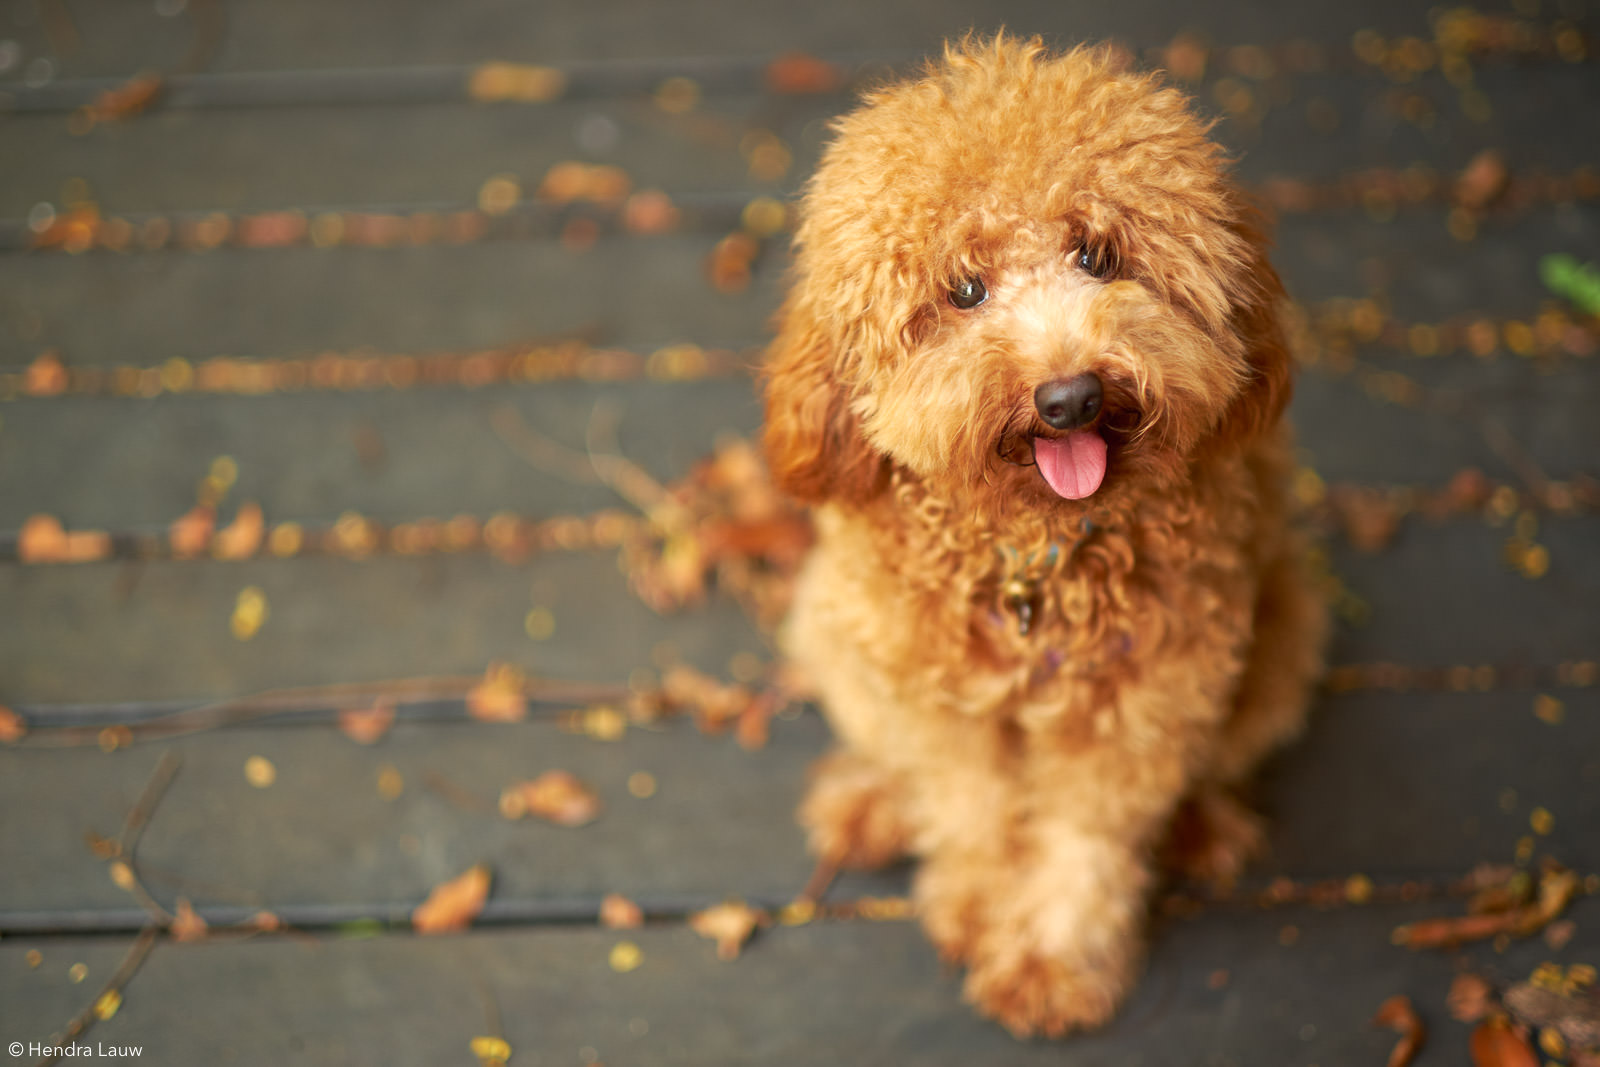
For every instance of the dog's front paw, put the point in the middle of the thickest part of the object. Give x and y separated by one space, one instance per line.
1030 993
1212 836
854 813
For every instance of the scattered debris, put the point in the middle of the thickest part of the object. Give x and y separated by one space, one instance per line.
367 725
617 912
1397 1014
730 925
454 904
555 796
1554 891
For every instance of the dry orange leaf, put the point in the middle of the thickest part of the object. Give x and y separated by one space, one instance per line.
619 913
1496 1044
1396 1013
556 796
797 72
730 262
1483 180
12 726
242 537
649 211
1470 997
729 925
499 697
85 546
190 534
454 904
127 99
186 923
521 82
42 539
365 725
46 375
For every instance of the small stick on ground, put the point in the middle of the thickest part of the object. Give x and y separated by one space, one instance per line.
822 876
139 815
456 795
80 1023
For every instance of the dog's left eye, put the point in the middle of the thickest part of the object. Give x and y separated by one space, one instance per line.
968 293
1097 260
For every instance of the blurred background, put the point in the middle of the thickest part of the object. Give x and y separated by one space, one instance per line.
378 513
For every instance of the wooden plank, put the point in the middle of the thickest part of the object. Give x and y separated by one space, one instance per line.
131 465
1392 786
114 632
720 821
1222 989
302 301
1389 784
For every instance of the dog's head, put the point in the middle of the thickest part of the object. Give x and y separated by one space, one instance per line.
1022 274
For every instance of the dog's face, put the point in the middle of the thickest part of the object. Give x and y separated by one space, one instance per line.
1025 276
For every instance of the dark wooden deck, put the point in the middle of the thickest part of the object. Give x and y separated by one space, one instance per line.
1462 725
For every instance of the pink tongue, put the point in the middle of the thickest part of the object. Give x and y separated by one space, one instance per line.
1074 465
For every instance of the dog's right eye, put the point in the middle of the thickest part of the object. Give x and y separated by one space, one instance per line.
968 293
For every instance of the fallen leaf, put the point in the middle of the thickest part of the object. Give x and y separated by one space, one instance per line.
1483 180
85 546
260 772
619 913
265 921
190 533
1571 1010
729 925
1397 1014
128 99
366 725
454 904
499 697
1369 516
625 956
649 211
42 539
730 263
46 375
1557 886
1495 1044
520 82
250 612
556 796
1470 997
12 726
106 1006
242 537
186 923
491 1051
797 72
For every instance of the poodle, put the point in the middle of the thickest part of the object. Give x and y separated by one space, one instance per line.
1030 377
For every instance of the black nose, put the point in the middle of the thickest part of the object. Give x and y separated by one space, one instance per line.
1068 403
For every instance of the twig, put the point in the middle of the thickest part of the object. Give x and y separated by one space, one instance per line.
822 876
311 698
539 451
456 795
80 1023
139 815
600 462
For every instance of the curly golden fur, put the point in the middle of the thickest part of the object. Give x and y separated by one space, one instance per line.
1038 683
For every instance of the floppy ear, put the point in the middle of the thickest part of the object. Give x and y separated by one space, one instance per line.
1258 322
813 440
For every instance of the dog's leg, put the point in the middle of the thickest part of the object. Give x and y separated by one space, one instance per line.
854 813
1291 626
1212 836
1065 936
